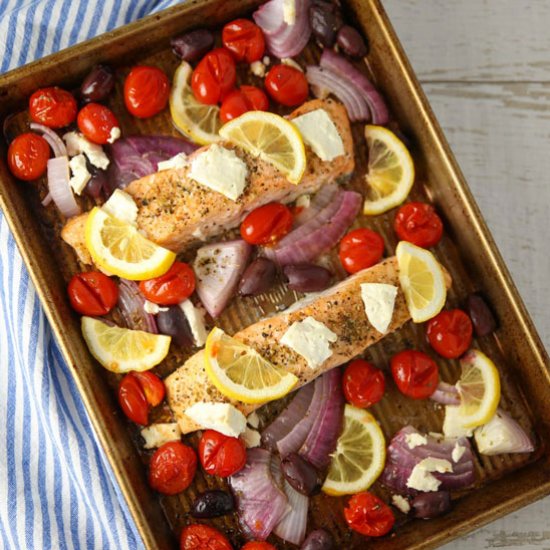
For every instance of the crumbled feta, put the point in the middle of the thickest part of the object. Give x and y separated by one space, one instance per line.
401 503
379 301
152 308
114 134
452 426
421 477
458 452
221 170
177 161
80 175
415 440
303 201
266 60
251 438
121 206
195 318
157 435
291 63
289 11
320 133
258 68
76 143
253 419
222 417
310 339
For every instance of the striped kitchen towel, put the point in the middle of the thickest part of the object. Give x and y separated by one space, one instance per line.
56 488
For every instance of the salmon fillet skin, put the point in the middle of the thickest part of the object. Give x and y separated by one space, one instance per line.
340 308
174 211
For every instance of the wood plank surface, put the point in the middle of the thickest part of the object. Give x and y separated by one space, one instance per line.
485 66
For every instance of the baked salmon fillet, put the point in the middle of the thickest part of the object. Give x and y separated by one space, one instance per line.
174 211
340 308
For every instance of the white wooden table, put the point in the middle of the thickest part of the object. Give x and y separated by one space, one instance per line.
485 67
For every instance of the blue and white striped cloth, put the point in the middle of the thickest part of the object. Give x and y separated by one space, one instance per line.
56 488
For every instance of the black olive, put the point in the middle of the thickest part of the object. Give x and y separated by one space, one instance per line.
481 315
212 504
174 323
192 45
307 277
318 540
258 277
98 84
300 474
325 20
351 42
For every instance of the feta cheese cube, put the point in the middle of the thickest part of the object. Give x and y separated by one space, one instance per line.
114 134
222 417
80 175
251 438
177 161
401 503
421 477
379 301
157 435
258 68
195 318
458 452
152 308
121 206
253 419
415 440
77 143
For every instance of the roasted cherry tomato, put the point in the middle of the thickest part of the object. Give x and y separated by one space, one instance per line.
214 77
450 333
97 122
286 85
266 224
28 156
246 98
415 373
175 286
253 545
137 392
244 40
203 537
52 107
172 468
221 455
368 515
359 249
92 293
419 224
146 91
363 384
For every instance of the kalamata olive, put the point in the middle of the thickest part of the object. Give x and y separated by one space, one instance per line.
318 540
212 504
258 277
481 315
431 505
173 322
98 84
300 474
97 184
307 277
325 20
351 42
192 45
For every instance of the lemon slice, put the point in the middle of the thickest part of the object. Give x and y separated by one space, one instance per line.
241 373
195 120
120 249
121 349
479 389
422 281
360 454
270 137
390 173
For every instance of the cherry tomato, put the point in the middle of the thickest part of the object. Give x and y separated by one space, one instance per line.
253 545
238 102
368 515
138 391
450 333
172 468
175 286
214 77
415 373
419 224
266 224
96 122
244 40
92 293
363 384
221 455
52 107
28 156
203 537
359 249
146 91
286 85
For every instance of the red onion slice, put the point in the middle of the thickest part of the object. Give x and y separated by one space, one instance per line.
446 394
292 528
131 306
502 434
58 185
54 141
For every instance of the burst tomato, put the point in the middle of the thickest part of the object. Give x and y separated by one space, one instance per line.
175 286
418 223
214 77
172 468
92 293
203 537
238 102
415 373
359 249
266 224
363 384
450 333
137 392
286 85
52 107
220 454
146 91
244 40
96 122
28 156
368 515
